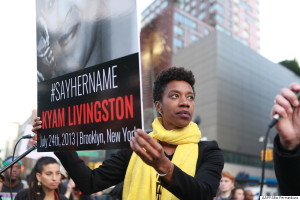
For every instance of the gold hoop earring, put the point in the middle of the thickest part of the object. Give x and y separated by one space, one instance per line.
39 185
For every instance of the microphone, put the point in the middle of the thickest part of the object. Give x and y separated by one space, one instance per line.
276 117
29 136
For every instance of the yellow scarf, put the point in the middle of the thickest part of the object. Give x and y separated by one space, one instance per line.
140 179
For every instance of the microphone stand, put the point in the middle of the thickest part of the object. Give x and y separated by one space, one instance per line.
18 158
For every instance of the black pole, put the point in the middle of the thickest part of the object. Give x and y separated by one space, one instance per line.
18 158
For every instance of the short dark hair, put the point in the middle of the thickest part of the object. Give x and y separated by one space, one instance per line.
170 74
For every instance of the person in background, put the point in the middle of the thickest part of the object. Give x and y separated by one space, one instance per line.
114 194
44 181
226 185
238 193
1 181
73 193
170 162
287 141
15 171
249 195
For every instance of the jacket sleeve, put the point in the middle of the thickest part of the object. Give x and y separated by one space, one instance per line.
207 178
22 194
287 165
111 172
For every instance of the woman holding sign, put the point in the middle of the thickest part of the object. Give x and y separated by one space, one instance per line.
168 163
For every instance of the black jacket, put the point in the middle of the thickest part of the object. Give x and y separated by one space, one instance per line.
24 195
287 169
201 187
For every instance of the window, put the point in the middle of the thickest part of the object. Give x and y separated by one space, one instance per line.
228 23
229 4
245 34
212 9
185 20
146 12
206 31
178 30
201 16
216 8
236 28
193 3
219 18
152 6
193 12
250 18
157 3
222 29
202 5
237 38
177 43
246 6
245 24
229 14
235 9
219 7
181 5
195 38
187 8
164 4
236 19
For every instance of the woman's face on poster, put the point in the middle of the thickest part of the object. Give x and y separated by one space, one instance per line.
65 35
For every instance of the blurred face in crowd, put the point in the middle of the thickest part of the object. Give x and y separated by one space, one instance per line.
1 182
249 195
239 194
15 172
177 105
226 184
50 177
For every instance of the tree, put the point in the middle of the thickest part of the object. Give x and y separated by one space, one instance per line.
292 65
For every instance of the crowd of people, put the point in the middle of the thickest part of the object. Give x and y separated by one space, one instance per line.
45 181
229 190
171 162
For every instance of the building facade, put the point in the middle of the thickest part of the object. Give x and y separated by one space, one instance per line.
171 25
235 88
236 18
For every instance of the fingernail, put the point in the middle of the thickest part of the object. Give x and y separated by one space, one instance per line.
296 103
